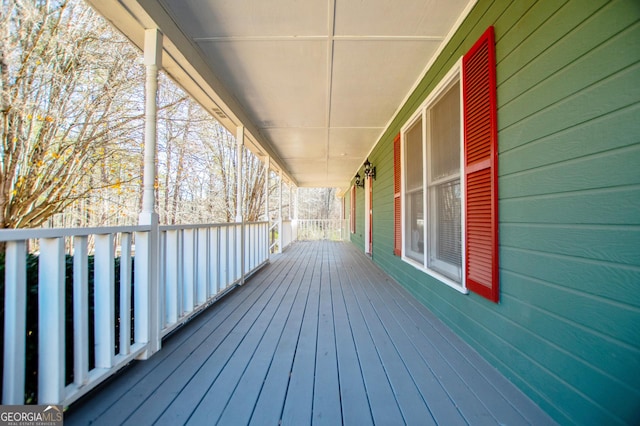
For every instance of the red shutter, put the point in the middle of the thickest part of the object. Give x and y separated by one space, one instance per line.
481 167
397 210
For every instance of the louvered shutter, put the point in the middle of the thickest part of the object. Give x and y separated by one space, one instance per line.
397 210
481 167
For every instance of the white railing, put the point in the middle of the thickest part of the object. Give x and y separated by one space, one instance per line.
289 231
203 262
322 229
281 234
159 287
274 236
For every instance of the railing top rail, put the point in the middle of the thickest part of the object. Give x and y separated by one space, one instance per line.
205 225
27 234
321 220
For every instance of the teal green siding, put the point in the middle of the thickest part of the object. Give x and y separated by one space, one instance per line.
567 328
358 237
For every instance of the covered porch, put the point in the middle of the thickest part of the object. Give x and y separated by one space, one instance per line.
320 335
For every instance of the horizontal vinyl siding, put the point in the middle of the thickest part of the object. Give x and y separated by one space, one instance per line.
358 238
570 203
383 200
567 329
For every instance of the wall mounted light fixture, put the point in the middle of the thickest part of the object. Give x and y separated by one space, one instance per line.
369 170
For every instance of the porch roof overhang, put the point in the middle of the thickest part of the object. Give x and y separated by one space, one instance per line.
315 84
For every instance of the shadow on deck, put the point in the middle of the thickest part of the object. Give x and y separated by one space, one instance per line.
321 335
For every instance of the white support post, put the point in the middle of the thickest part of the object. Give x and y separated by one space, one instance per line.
147 269
294 226
146 299
239 202
15 329
267 182
153 63
290 202
239 175
239 247
80 311
51 340
267 167
104 301
280 214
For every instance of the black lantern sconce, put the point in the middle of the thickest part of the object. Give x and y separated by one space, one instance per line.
369 170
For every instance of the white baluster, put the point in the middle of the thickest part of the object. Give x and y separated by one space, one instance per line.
125 294
15 313
104 301
51 327
80 311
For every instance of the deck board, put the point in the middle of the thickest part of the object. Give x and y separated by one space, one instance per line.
299 399
274 390
355 402
240 406
326 392
320 336
382 399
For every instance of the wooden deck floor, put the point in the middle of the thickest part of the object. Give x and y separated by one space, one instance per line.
320 336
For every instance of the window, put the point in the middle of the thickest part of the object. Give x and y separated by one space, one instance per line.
414 195
445 203
432 195
443 182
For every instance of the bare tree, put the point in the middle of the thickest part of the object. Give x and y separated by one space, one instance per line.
319 203
222 147
69 96
71 104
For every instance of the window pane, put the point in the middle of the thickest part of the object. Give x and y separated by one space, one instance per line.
413 157
415 226
444 125
445 251
443 165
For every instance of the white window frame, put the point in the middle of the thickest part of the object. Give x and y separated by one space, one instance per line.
405 203
455 74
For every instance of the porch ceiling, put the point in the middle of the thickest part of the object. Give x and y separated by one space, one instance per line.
315 83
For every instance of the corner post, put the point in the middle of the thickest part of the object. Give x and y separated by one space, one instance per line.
239 201
280 213
147 298
267 170
294 226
